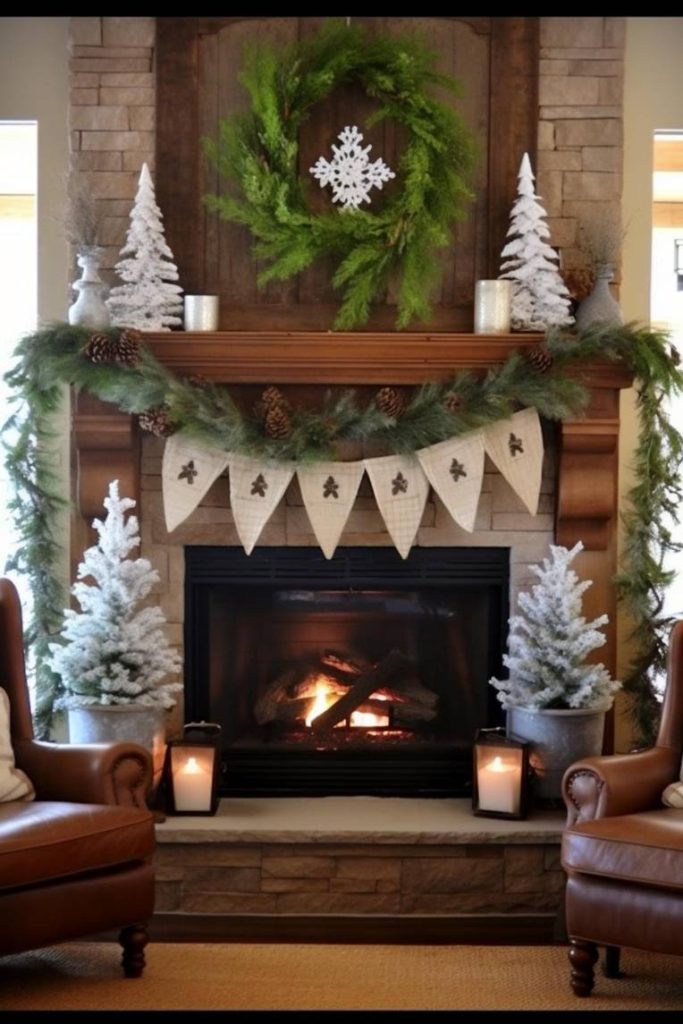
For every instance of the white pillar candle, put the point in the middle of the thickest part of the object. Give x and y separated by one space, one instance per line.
191 786
201 312
499 786
492 303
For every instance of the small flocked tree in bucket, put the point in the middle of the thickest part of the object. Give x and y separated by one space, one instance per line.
553 697
114 660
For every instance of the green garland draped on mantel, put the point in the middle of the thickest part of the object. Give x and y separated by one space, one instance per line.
56 355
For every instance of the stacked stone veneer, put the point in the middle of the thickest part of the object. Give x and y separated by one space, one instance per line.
112 116
580 132
580 127
317 878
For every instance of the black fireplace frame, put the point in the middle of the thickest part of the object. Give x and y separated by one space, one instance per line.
443 772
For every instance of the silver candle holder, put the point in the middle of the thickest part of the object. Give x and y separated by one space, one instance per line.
201 312
492 304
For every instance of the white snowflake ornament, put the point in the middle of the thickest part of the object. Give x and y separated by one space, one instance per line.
350 173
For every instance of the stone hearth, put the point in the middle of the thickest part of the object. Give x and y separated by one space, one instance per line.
361 856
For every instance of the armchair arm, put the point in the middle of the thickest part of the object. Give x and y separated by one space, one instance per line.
602 787
98 773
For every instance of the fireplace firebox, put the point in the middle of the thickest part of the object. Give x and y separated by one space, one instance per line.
362 674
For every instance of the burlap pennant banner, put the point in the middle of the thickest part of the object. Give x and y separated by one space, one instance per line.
329 490
187 472
401 490
455 469
516 447
256 488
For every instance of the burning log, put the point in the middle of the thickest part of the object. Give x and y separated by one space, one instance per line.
278 694
368 681
390 689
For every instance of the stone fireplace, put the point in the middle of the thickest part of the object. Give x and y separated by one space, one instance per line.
139 87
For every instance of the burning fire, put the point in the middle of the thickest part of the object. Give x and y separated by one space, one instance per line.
324 696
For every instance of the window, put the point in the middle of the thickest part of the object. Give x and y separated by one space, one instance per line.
666 296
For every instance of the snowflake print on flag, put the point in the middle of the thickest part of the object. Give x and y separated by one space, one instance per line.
350 173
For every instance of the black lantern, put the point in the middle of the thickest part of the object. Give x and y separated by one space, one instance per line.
192 766
500 776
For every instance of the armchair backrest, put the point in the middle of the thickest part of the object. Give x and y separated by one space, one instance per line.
12 665
671 722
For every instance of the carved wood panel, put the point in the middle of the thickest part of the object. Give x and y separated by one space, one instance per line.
198 62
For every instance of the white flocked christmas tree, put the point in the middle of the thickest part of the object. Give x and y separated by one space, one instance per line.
550 640
148 299
540 298
113 651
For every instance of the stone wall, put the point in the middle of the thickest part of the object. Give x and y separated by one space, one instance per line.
226 878
112 116
580 128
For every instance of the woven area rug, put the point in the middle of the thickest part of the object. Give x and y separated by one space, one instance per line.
264 976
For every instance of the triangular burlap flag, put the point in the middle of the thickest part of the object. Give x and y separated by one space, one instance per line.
187 472
516 448
401 490
455 469
256 487
329 490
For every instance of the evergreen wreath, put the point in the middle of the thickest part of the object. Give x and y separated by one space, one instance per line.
58 354
258 151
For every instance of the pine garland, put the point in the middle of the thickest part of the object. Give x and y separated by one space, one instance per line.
57 354
258 151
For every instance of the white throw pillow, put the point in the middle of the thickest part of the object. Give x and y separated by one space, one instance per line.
673 794
14 784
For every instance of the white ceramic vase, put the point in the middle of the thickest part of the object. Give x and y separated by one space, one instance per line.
89 309
600 306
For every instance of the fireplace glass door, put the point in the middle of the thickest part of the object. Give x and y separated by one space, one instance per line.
362 674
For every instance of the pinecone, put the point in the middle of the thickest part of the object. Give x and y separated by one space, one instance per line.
124 349
277 422
156 421
540 358
127 348
675 356
391 402
98 348
453 402
198 380
271 398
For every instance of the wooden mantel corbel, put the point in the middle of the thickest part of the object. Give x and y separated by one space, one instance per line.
107 446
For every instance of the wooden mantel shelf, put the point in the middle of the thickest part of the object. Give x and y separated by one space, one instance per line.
328 357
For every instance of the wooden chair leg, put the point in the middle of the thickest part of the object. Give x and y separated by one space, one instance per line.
611 966
133 939
582 957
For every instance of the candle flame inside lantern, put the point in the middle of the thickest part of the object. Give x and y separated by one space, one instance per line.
191 767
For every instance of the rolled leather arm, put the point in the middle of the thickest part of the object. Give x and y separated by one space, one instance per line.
602 787
98 773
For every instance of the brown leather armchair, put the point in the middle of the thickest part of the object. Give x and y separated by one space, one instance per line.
622 849
77 860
